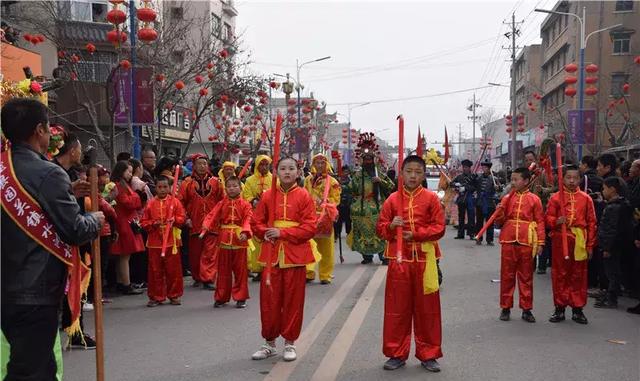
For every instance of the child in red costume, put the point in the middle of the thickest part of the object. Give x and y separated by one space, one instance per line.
230 222
287 246
165 273
411 292
569 276
522 238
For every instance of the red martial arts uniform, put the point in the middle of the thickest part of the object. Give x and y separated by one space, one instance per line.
569 276
165 274
522 232
282 303
407 300
228 220
199 195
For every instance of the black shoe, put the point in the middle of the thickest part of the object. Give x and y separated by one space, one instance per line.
309 280
241 304
597 293
257 277
541 271
490 244
208 286
366 261
505 314
130 290
218 304
325 282
578 316
83 342
605 303
196 284
393 364
528 316
458 237
139 286
558 315
479 243
634 310
431 365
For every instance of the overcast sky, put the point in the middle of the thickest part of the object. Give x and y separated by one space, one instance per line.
388 50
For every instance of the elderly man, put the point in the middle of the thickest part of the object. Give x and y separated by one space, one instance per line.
149 165
36 202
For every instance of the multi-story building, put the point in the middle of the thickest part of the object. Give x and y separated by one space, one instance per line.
612 51
528 87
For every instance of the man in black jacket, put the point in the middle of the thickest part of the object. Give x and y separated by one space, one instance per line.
486 202
590 177
33 280
465 185
614 231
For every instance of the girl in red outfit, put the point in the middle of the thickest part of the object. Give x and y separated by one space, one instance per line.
165 273
230 222
287 246
129 241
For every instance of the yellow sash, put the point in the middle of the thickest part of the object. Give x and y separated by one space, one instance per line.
238 230
580 247
177 234
430 275
533 237
290 224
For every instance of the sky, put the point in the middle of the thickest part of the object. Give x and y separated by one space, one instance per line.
435 52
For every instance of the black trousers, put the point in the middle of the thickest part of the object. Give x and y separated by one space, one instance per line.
481 219
344 217
595 271
469 210
31 331
613 271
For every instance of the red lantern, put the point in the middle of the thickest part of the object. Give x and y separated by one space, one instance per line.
116 16
73 76
258 117
541 126
591 80
147 35
261 93
247 108
591 68
168 105
571 68
211 138
570 80
223 54
91 48
224 98
219 104
211 75
509 130
570 91
291 102
218 126
27 37
621 101
210 65
306 119
160 77
116 37
529 103
146 14
61 54
125 64
215 138
199 79
40 38
273 84
204 92
291 110
610 114
179 85
626 88
509 117
75 58
591 91
116 2
263 101
637 60
520 129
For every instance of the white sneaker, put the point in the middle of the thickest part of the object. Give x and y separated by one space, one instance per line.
87 307
265 351
289 352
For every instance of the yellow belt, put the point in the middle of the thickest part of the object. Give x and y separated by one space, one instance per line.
532 234
430 282
284 224
238 230
580 247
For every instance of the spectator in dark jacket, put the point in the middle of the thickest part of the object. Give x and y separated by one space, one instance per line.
590 177
614 231
33 280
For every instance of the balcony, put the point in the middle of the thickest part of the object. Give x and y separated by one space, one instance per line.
229 8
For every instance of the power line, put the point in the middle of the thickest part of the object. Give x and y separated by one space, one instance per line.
410 98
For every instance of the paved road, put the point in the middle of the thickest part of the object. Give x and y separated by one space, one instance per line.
342 333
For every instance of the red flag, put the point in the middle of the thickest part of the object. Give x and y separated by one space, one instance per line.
419 149
446 145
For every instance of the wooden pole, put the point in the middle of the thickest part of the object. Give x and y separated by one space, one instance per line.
97 279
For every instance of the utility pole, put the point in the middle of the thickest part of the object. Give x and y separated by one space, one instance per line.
512 35
474 118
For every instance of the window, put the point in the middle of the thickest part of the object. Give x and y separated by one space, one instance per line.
80 11
99 12
95 67
89 11
228 32
624 6
621 42
617 81
177 13
215 25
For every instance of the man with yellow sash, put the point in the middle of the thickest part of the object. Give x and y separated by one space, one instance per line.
254 187
569 275
412 295
522 238
41 228
327 212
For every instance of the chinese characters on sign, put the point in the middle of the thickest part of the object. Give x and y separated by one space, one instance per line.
589 126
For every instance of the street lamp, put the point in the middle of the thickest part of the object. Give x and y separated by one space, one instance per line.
349 108
299 86
583 43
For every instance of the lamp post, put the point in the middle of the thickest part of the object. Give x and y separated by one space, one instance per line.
299 86
583 44
349 108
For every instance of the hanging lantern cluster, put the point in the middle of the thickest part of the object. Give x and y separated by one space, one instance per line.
509 120
591 80
344 136
520 122
146 15
35 39
570 80
116 17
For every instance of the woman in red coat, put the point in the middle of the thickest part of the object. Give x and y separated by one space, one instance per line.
129 241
